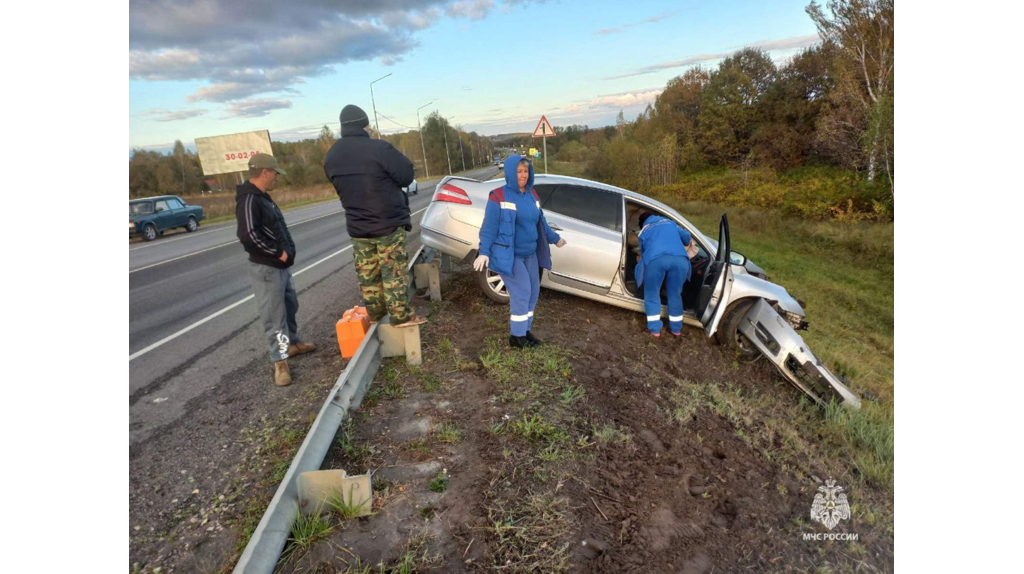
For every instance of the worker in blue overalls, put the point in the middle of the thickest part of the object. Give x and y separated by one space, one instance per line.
514 242
663 259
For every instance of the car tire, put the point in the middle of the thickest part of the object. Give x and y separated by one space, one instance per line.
493 286
729 335
149 232
191 225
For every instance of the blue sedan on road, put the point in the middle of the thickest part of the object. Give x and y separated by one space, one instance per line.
151 216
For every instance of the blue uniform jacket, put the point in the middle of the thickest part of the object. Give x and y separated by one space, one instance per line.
498 232
660 236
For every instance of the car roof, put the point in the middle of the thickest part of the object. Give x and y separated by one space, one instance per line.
152 198
543 178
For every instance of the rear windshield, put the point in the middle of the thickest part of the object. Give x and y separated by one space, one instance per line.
140 208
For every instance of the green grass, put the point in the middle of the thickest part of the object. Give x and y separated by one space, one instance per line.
440 482
307 530
448 432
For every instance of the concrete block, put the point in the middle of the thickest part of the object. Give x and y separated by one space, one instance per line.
318 488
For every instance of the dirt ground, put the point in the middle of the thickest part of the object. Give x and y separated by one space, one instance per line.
601 451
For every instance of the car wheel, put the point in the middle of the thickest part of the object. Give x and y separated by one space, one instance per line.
729 334
493 285
192 225
149 232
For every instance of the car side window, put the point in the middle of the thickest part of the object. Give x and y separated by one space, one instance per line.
601 208
162 206
175 204
544 192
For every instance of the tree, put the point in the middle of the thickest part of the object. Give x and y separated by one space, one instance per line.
326 139
863 32
181 156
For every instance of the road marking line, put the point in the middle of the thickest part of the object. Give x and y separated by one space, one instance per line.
182 257
223 244
169 338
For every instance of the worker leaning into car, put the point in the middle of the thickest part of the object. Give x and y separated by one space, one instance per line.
514 242
664 258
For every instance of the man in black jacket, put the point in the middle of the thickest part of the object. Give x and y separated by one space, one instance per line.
265 237
369 175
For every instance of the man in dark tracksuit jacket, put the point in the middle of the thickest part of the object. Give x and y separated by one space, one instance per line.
265 237
369 175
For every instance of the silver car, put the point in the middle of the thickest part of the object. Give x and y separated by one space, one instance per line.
728 296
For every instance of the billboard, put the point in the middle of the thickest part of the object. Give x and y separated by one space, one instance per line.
231 153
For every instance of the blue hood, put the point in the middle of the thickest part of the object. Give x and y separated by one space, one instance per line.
511 182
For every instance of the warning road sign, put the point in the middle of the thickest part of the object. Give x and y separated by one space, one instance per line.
544 129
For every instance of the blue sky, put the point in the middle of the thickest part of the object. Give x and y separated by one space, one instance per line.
208 67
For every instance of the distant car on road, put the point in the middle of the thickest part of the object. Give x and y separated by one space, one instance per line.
414 188
151 216
497 161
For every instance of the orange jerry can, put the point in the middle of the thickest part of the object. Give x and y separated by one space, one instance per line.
351 329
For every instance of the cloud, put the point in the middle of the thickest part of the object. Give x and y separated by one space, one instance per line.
767 45
245 48
616 30
255 108
624 99
161 115
470 9
169 116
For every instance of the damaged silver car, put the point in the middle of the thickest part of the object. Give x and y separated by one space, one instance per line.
728 296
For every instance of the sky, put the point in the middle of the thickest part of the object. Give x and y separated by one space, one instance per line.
200 68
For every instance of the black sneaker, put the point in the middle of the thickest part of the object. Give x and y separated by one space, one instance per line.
518 342
534 341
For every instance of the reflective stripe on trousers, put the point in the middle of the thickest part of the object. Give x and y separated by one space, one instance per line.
523 289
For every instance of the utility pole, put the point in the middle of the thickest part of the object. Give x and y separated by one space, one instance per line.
375 124
458 132
446 154
422 145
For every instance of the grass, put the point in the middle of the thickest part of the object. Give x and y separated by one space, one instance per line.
529 534
440 482
307 530
448 432
221 206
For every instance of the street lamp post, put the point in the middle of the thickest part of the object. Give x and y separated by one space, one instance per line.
375 124
422 145
446 154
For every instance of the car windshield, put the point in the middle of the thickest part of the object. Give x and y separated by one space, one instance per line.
142 208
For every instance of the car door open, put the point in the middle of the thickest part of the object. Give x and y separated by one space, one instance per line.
712 300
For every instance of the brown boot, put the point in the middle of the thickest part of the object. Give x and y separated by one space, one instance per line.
414 320
300 348
282 377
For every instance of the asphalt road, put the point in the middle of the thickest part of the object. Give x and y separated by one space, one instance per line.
192 320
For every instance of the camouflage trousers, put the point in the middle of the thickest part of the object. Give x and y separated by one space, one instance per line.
382 270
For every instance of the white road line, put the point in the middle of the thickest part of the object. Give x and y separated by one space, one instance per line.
169 338
228 243
182 256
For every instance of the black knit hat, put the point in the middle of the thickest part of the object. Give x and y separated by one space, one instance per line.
353 117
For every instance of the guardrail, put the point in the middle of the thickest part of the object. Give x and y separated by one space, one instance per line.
264 548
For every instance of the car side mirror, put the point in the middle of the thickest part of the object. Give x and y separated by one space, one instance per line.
737 258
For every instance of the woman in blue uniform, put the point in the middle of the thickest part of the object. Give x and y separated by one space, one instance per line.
663 259
514 242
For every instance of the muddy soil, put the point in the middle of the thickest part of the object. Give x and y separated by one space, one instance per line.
604 450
